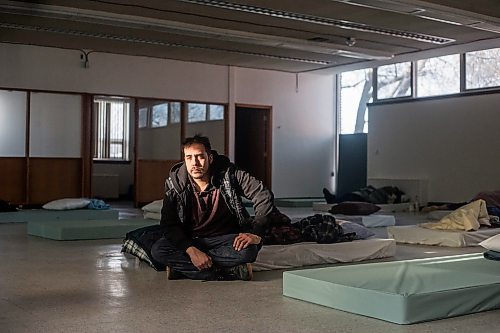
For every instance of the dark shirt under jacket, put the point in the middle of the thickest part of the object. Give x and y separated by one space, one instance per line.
211 216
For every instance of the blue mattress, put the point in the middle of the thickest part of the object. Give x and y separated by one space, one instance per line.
295 202
402 292
45 215
86 229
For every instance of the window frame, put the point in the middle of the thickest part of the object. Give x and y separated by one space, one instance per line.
414 84
151 117
105 141
464 71
207 112
416 79
399 98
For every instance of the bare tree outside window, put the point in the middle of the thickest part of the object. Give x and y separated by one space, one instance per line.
175 112
438 76
355 92
159 115
216 112
482 69
435 76
143 117
394 80
197 112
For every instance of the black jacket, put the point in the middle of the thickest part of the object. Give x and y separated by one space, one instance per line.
234 183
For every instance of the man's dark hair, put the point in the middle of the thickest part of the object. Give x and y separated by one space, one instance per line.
197 138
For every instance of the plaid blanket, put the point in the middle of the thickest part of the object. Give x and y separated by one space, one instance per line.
139 242
323 229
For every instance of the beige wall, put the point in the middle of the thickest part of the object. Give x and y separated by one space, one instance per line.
303 121
451 142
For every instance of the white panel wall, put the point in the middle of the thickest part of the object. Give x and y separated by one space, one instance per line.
303 121
44 68
12 123
213 129
161 143
55 125
303 127
452 142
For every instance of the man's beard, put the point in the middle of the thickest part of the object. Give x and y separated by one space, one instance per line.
197 174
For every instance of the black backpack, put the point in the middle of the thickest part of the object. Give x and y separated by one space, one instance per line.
7 207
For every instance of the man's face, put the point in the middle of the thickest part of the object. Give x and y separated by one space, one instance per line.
197 161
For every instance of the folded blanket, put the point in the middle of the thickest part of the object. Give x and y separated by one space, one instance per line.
98 204
469 217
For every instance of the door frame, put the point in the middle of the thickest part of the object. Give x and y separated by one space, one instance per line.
268 138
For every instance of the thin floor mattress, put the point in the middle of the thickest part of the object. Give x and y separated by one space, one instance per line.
305 254
402 292
414 234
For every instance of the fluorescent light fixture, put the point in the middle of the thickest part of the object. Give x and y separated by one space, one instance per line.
387 5
486 26
179 28
120 38
433 12
322 21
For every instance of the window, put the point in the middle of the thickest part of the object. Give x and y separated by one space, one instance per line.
438 76
355 92
202 112
197 112
216 112
143 117
111 128
12 124
394 80
482 69
159 115
175 112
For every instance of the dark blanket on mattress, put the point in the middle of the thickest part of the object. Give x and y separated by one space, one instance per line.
7 207
139 242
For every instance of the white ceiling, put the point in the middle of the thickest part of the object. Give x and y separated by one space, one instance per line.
285 35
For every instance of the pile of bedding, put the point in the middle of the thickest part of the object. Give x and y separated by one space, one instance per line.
468 218
466 226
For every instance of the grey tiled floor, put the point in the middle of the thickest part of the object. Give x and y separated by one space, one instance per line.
89 286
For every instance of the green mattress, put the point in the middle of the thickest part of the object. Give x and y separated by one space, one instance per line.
45 215
402 292
86 229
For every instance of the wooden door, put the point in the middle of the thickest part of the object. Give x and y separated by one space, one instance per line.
253 141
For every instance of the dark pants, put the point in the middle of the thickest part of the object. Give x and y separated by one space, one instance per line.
219 248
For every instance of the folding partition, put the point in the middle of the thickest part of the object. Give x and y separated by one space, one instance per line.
13 117
158 147
55 147
41 143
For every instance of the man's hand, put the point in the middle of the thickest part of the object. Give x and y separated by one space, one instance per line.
244 239
199 258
